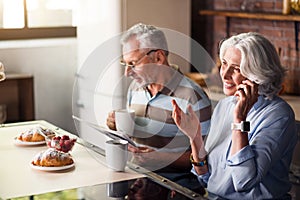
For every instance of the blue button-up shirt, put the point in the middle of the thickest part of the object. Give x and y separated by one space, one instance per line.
259 170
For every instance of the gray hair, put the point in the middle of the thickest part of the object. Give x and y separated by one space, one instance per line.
259 61
148 36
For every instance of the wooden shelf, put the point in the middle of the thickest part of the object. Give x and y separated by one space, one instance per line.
254 15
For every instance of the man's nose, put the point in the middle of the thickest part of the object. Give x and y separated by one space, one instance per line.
128 71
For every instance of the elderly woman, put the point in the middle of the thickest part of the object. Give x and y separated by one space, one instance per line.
249 147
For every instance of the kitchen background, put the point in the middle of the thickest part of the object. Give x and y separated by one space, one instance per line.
55 63
210 29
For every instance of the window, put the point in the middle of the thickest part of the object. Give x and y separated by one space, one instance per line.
27 19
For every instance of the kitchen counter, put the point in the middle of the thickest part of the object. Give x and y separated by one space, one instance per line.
89 179
18 179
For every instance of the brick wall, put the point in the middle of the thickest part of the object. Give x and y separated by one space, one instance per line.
281 33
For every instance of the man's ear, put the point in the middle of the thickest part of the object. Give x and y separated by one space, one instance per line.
160 57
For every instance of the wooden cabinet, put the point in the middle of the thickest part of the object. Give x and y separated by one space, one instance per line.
17 93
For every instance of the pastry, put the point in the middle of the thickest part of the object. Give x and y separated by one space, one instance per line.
35 134
52 158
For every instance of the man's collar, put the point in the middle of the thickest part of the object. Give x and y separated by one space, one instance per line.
170 87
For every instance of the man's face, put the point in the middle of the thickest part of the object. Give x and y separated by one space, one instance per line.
144 65
140 63
137 65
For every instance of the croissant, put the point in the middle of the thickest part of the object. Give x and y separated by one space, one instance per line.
34 134
52 158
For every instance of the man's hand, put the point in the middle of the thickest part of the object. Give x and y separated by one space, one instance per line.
154 160
110 121
145 157
139 149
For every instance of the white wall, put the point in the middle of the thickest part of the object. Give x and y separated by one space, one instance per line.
167 14
53 63
99 21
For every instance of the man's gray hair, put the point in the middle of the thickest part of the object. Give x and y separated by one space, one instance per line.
148 36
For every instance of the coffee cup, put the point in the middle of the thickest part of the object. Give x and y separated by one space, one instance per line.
116 154
125 121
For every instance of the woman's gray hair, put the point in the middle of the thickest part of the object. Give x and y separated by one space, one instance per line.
259 61
148 36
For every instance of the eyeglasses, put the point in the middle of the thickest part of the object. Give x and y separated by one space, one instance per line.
134 63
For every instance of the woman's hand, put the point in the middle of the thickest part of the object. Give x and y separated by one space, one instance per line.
247 94
110 121
188 123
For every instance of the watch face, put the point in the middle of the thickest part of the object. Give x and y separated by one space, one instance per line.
245 126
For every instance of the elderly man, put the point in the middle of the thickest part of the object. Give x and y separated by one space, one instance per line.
162 146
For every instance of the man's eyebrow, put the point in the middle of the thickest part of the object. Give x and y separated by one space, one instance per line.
235 65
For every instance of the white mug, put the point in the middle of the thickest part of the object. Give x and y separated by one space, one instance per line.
125 121
116 154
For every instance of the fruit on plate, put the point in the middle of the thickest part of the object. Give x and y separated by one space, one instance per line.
61 143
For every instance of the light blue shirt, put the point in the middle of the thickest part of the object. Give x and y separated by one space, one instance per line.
259 170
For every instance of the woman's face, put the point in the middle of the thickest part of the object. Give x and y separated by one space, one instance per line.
230 71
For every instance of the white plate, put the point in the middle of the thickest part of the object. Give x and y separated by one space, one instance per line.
25 143
52 168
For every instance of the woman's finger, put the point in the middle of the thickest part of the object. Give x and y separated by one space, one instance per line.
176 112
190 110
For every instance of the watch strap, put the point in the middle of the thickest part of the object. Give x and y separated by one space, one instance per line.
244 126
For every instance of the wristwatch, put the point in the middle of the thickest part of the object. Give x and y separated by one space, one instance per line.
200 164
244 126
